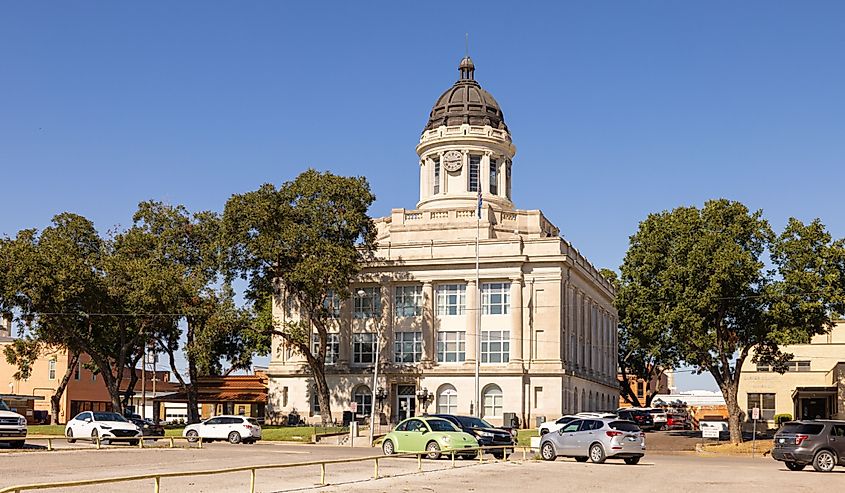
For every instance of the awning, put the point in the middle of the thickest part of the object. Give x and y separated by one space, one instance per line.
813 392
222 396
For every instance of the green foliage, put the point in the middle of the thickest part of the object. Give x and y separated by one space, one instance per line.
782 418
22 353
695 284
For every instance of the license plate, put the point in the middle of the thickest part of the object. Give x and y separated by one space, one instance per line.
781 440
632 439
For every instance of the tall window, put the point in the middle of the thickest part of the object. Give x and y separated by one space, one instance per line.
408 301
492 401
332 347
407 347
508 178
367 305
364 348
451 347
447 400
766 403
315 402
363 397
78 373
495 346
451 299
332 303
436 175
494 177
474 165
495 298
51 369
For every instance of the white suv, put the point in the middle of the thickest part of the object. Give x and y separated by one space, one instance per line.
235 429
12 424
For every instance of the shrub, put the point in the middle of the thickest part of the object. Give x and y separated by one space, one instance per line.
782 418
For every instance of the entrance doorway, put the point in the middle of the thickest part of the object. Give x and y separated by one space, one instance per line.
814 408
406 401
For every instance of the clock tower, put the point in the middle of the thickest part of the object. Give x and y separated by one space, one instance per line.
465 148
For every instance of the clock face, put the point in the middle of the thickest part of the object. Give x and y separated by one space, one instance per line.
452 161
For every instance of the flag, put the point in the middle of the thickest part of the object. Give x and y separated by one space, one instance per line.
478 212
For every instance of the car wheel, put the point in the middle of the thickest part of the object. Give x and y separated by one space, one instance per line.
547 451
133 443
387 447
94 435
433 450
794 466
193 436
632 461
824 461
597 453
581 459
69 434
234 437
543 431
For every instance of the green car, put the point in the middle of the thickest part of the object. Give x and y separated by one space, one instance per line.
432 435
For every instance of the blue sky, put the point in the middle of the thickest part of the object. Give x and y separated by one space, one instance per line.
617 109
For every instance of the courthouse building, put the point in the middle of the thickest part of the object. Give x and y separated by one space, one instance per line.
547 342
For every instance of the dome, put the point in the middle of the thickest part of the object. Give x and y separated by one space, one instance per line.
466 102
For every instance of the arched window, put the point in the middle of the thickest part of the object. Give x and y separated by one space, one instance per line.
363 397
592 402
583 400
575 408
492 401
447 400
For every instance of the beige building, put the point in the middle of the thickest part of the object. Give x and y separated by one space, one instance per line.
547 341
814 386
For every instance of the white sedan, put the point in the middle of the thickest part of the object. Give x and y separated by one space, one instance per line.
109 427
234 429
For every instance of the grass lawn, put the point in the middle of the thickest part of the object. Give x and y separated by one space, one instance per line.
277 433
46 430
524 437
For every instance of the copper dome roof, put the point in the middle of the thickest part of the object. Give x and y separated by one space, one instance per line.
466 102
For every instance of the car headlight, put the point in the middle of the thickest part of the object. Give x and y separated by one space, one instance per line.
105 427
22 421
485 434
446 438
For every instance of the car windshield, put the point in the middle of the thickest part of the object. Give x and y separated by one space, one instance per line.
623 426
802 428
441 425
471 422
4 406
108 417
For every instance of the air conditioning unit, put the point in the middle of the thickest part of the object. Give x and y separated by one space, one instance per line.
539 420
509 420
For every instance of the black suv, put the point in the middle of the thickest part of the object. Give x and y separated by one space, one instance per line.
644 419
817 442
485 433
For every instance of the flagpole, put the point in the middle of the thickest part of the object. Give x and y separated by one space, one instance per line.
477 309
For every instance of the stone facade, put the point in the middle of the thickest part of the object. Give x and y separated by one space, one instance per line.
547 341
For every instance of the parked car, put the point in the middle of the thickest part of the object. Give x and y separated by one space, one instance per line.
429 434
147 426
659 417
110 427
234 429
485 434
595 439
642 418
12 425
817 442
550 426
676 421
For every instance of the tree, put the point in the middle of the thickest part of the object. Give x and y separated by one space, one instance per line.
168 263
695 282
295 245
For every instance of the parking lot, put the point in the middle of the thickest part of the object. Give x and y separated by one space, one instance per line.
679 470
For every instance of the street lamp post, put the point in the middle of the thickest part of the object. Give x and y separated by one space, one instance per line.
363 294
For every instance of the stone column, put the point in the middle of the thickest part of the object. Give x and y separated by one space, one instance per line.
428 329
516 318
386 323
472 312
484 173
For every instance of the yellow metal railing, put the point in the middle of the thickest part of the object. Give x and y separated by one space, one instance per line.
157 477
96 440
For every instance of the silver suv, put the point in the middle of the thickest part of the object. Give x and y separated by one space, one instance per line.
595 439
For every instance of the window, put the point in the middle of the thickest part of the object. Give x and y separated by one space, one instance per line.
538 397
332 303
451 299
495 346
407 347
363 398
447 400
368 305
800 366
572 427
474 164
766 403
451 347
492 401
508 178
494 177
78 373
408 301
51 369
315 402
495 298
364 348
436 175
241 410
332 347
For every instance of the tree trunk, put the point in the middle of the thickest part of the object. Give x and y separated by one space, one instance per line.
56 398
322 388
130 388
191 389
729 391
